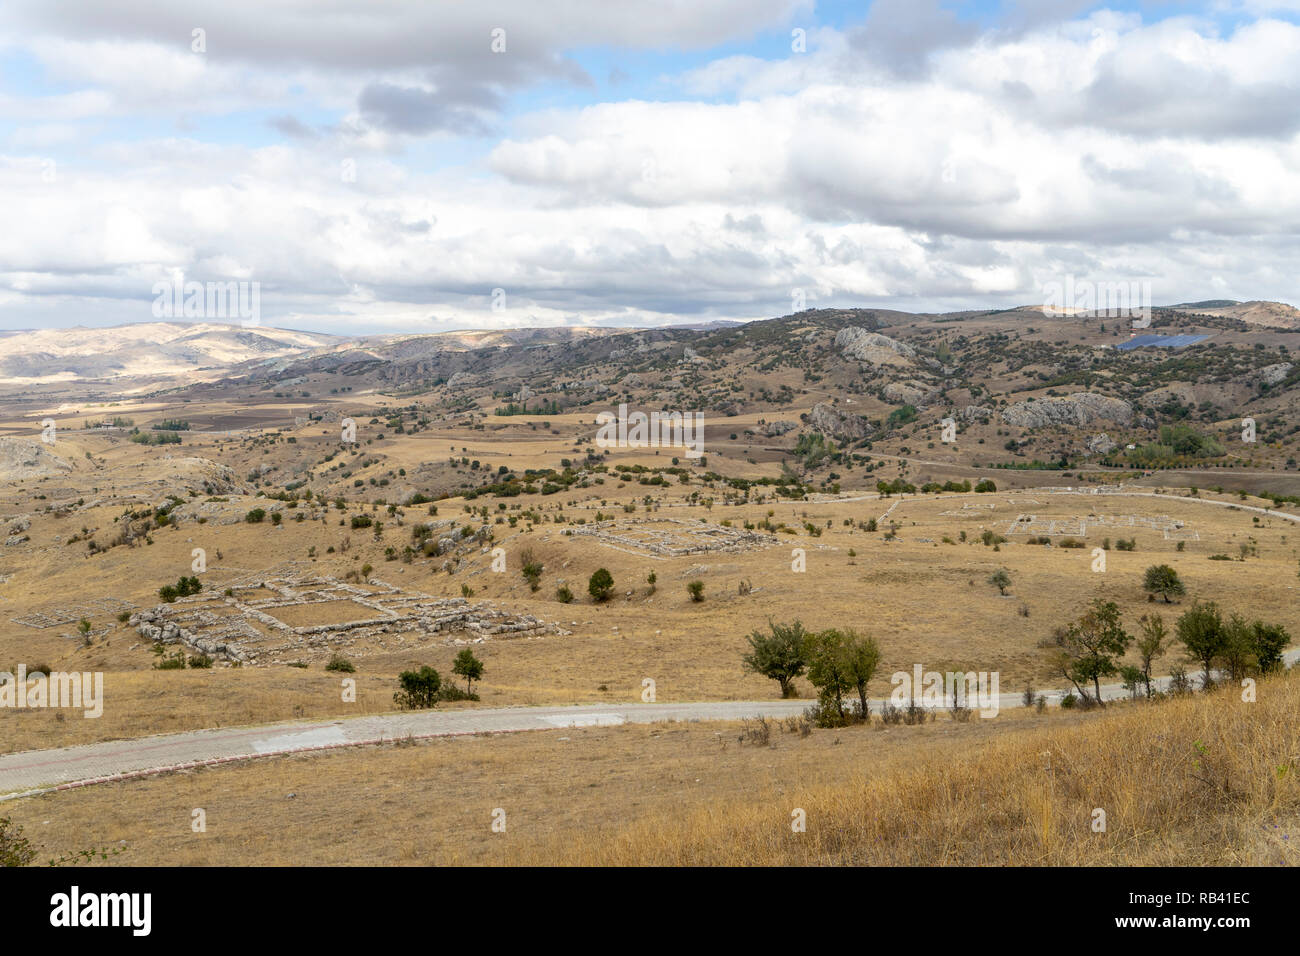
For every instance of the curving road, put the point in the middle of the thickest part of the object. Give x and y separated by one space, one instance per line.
42 771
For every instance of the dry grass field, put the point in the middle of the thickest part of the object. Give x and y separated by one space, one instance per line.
675 793
922 590
1190 782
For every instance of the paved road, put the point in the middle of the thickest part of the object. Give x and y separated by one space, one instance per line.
40 771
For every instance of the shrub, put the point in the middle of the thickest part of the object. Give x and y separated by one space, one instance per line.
15 849
419 689
201 662
174 662
255 516
563 594
756 730
340 664
696 589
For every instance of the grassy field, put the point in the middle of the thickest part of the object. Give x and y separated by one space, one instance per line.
925 595
1202 780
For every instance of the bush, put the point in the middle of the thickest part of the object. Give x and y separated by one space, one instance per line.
15 849
340 664
419 689
201 662
174 662
696 589
255 516
601 585
563 594
756 730
452 692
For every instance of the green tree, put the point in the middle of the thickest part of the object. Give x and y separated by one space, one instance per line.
1001 580
1152 644
419 689
1269 640
1092 645
828 671
1202 632
1132 677
696 589
780 656
1238 654
469 667
862 657
1163 580
601 585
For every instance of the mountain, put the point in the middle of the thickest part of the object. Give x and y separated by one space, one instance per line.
150 352
1257 312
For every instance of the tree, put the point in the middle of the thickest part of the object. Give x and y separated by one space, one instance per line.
1133 678
1163 580
1238 653
862 657
696 588
1092 645
1269 639
469 667
828 671
419 688
1152 644
1202 632
780 656
601 585
1001 580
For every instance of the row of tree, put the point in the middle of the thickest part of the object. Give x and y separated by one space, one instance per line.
1091 648
837 662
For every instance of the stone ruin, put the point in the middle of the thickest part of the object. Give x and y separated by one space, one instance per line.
1033 524
243 625
673 537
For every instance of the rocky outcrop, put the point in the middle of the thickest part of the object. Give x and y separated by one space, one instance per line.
1081 408
975 413
25 458
1101 445
779 428
855 343
842 425
1273 374
909 393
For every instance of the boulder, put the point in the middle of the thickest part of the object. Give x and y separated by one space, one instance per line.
842 425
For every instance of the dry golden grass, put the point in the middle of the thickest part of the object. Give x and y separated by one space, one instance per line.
925 600
1205 780
431 802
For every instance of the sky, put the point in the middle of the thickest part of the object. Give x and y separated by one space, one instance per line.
378 166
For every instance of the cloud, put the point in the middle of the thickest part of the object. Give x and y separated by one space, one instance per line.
911 162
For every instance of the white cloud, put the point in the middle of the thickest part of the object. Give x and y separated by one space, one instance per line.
1098 146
